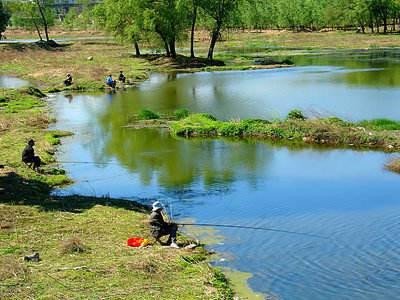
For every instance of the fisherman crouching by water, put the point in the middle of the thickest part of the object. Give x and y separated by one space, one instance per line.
68 80
28 156
121 77
160 228
110 82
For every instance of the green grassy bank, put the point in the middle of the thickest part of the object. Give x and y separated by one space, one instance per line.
81 240
380 134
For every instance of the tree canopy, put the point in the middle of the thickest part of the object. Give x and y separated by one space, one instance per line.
33 15
4 18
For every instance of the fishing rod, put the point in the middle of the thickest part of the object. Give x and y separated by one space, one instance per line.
255 228
86 162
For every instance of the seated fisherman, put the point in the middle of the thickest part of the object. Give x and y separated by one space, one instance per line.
28 156
110 82
121 77
160 228
68 81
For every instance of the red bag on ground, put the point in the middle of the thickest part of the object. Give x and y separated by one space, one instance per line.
135 242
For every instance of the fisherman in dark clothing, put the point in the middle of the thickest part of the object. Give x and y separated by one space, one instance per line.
121 77
160 228
28 156
68 81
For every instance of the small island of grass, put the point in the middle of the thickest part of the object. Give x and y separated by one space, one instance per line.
379 134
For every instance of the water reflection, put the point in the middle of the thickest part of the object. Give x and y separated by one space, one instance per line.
350 90
386 65
178 163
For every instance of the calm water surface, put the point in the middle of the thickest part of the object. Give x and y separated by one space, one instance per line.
341 194
12 82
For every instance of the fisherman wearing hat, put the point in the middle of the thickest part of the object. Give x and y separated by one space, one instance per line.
160 228
28 156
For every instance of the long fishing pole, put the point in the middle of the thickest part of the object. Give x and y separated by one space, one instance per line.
86 162
255 228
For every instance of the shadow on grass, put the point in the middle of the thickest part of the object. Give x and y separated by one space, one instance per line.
15 190
38 45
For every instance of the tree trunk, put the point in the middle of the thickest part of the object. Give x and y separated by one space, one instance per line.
137 49
38 30
167 49
214 39
45 25
385 25
172 48
194 18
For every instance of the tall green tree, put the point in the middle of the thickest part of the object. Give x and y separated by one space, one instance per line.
169 19
123 18
219 11
194 11
33 15
4 18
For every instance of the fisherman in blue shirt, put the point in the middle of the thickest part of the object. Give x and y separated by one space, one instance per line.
111 82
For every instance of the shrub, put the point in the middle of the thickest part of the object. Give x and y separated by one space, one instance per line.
181 113
72 245
296 114
230 129
146 114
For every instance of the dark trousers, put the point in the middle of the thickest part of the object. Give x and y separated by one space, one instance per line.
34 161
169 229
112 84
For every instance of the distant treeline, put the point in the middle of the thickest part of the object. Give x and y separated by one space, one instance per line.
373 15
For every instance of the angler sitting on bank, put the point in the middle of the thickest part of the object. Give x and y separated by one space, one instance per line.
121 77
110 82
160 228
28 156
68 81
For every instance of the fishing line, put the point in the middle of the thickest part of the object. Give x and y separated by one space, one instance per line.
254 228
86 163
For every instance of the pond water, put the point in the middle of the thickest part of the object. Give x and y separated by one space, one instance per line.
343 195
12 82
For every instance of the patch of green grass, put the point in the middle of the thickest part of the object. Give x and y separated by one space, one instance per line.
221 283
109 269
146 114
13 101
181 113
381 124
54 137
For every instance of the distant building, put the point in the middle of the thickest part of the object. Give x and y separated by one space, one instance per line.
63 6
